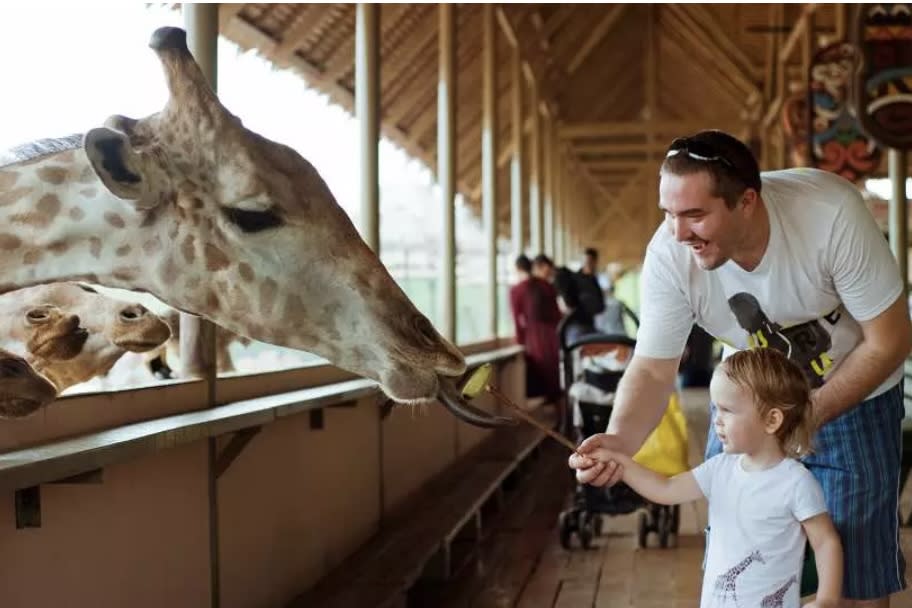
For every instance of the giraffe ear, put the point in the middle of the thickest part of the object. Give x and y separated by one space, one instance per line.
118 166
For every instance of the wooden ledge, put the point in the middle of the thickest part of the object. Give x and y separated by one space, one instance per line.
61 459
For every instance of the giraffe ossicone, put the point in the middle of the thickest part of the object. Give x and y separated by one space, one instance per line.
218 221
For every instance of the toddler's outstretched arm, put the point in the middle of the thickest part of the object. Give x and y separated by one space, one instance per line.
824 539
649 484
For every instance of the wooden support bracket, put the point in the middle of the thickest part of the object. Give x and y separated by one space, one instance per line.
28 500
234 448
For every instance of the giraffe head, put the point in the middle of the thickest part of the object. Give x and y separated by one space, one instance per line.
70 334
22 389
258 244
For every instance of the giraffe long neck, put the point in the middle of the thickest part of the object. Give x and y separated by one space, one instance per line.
58 222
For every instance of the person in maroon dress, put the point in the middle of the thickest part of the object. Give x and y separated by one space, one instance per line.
533 302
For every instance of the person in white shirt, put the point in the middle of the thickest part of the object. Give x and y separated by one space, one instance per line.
764 505
790 260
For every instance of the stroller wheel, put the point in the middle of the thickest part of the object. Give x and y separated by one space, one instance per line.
587 529
664 526
643 529
565 529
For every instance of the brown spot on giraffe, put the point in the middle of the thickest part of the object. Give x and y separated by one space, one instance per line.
114 219
168 272
124 274
152 246
9 242
192 283
76 214
188 250
246 272
123 250
95 247
8 198
267 295
49 206
89 192
7 179
58 247
52 175
32 256
87 176
215 258
212 300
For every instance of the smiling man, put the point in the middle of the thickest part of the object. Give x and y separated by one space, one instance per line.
790 260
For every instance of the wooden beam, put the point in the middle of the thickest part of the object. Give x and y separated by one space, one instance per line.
693 47
798 30
507 28
706 19
620 148
558 18
489 132
606 129
597 34
311 17
722 64
617 204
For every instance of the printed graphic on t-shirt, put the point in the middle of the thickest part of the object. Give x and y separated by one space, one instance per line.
776 599
807 344
727 582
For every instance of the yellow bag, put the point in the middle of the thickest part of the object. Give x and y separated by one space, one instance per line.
665 450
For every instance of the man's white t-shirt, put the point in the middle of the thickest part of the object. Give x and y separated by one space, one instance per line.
756 542
826 267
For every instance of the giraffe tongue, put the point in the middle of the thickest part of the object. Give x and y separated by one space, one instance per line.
459 407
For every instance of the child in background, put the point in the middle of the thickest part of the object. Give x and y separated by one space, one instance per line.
763 503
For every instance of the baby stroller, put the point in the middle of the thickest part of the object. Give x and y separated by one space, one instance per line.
592 366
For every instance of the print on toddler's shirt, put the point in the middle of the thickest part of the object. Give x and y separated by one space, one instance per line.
726 583
807 344
776 599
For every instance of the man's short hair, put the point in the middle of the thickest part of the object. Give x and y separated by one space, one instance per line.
726 159
542 259
591 252
523 263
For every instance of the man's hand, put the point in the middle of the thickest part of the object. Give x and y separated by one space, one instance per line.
589 470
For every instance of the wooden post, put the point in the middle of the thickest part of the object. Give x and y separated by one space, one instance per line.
367 109
446 167
899 227
517 179
197 336
489 153
547 194
535 202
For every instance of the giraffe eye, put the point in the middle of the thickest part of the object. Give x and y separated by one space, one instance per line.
252 221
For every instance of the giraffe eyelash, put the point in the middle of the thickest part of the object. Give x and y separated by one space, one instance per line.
252 221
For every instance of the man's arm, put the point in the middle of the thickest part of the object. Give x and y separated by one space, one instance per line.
641 398
828 554
886 341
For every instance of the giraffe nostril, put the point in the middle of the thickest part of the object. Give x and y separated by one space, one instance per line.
39 315
133 313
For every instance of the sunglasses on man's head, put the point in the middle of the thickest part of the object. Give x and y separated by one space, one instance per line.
697 150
